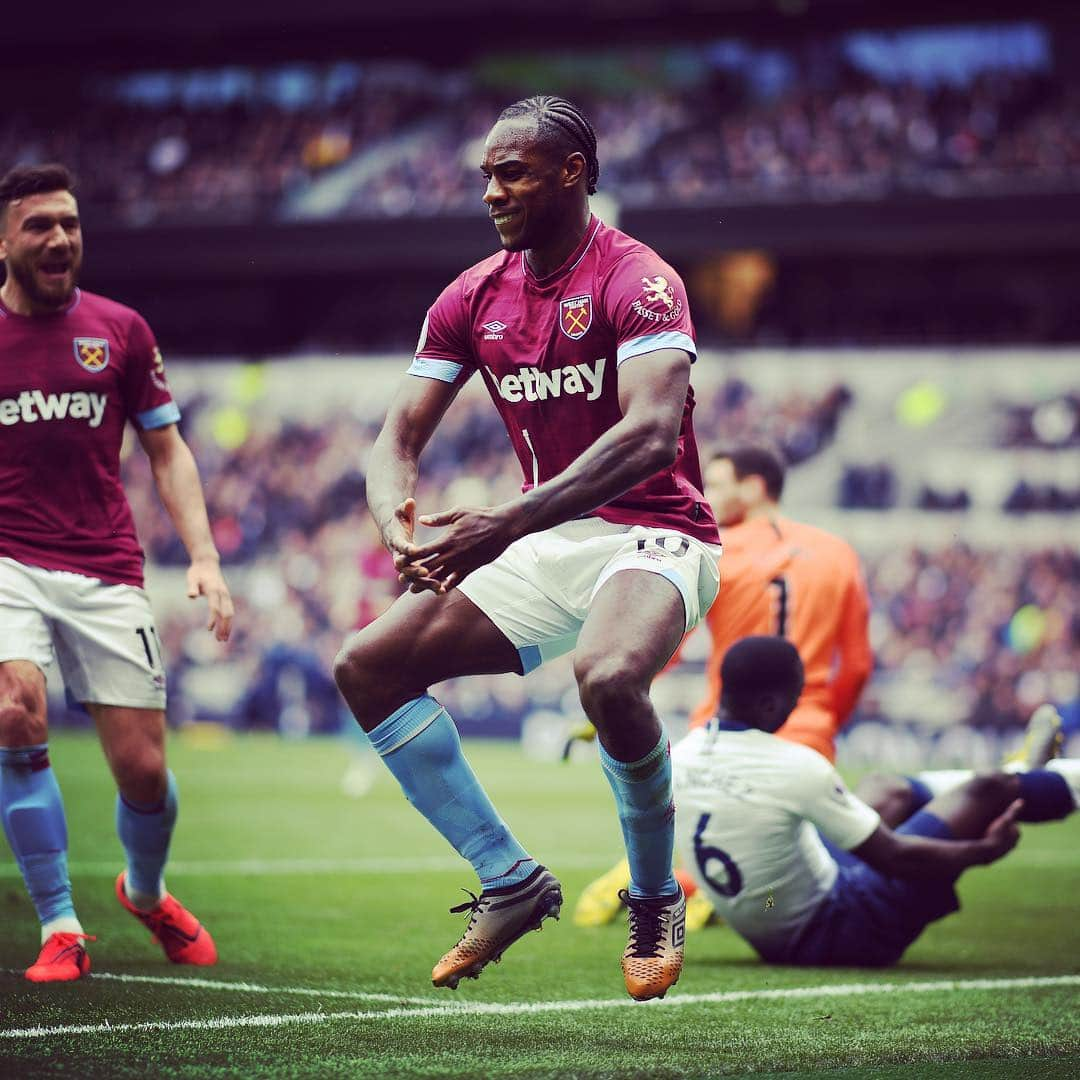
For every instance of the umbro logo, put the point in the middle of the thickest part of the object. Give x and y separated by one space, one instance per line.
678 932
494 330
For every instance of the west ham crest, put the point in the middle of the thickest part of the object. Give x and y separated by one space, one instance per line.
575 316
92 353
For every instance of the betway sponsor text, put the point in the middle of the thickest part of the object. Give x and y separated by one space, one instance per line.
32 405
532 384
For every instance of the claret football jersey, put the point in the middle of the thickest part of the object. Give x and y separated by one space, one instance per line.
550 349
69 382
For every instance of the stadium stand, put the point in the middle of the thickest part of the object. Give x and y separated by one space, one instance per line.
875 209
854 116
974 622
832 188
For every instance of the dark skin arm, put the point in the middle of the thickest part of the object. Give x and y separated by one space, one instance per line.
652 394
413 416
904 855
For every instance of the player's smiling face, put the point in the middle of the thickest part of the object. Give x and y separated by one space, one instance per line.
526 191
41 242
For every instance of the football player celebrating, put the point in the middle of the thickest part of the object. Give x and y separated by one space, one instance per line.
810 873
583 338
74 368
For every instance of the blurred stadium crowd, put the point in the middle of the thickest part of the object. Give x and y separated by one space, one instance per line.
978 631
859 115
954 475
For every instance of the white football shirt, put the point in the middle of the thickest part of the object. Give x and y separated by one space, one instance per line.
747 804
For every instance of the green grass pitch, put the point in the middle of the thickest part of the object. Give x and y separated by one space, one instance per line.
329 913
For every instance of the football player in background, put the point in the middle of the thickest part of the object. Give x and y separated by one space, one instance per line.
787 578
74 368
806 871
781 577
584 340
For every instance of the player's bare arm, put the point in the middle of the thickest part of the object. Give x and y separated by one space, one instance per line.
176 477
393 467
911 856
652 394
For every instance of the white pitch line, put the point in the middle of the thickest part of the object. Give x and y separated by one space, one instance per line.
380 864
222 1023
258 988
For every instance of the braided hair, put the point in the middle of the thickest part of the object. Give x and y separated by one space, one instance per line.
562 125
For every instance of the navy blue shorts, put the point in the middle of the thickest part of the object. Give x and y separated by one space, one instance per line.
868 919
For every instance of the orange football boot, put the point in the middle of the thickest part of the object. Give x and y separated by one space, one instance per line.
497 918
654 955
184 939
63 958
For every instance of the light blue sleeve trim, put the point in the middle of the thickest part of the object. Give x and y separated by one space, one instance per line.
443 370
666 339
169 413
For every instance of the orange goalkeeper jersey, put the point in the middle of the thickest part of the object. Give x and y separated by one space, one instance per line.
779 576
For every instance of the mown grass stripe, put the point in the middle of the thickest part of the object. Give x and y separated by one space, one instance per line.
390 864
384 864
450 1009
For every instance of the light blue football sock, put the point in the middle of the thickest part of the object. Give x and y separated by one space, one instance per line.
33 812
145 831
420 745
646 812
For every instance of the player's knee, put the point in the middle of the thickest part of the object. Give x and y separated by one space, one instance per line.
352 669
139 771
994 787
890 796
371 686
879 787
22 717
606 685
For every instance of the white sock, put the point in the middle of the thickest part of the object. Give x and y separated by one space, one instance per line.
1069 768
941 780
144 901
65 924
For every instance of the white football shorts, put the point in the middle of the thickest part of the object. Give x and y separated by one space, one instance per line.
538 591
102 635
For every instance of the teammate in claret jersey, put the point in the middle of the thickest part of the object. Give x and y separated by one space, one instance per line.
584 340
74 369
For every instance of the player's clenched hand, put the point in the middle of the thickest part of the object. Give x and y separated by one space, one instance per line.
397 535
1002 834
204 578
474 536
